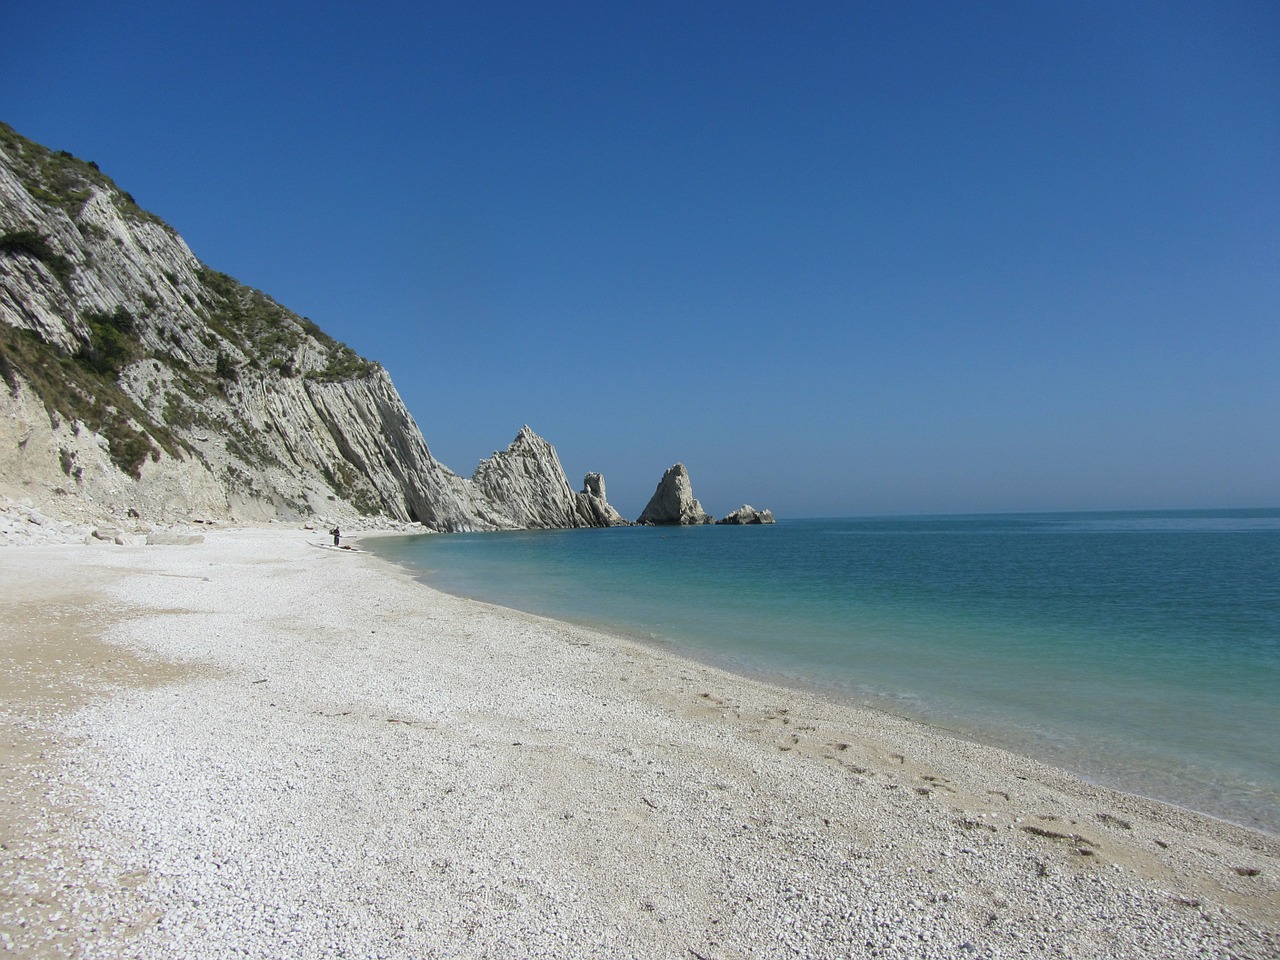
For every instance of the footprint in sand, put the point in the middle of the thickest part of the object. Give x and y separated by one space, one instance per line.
1116 822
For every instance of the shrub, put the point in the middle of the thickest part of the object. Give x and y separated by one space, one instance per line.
73 390
129 449
225 368
8 373
270 333
112 343
58 178
32 244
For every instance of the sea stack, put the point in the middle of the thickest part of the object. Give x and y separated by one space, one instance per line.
673 502
593 506
747 514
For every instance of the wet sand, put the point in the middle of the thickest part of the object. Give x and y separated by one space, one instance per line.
261 745
52 663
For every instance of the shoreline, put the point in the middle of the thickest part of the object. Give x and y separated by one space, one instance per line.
394 768
1151 773
883 705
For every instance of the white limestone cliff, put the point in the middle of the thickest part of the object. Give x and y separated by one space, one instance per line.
136 378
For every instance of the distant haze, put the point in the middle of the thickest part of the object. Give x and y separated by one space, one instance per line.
836 258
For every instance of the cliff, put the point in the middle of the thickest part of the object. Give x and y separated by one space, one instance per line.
137 378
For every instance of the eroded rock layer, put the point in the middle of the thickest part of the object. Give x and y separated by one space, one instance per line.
593 506
137 378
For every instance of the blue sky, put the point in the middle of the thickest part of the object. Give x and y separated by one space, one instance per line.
844 258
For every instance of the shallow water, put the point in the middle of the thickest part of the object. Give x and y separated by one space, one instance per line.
1141 650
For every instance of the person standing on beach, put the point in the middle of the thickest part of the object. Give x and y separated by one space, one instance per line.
337 535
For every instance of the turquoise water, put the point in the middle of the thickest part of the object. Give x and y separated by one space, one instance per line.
1141 650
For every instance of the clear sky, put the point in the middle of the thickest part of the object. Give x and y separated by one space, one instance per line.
838 258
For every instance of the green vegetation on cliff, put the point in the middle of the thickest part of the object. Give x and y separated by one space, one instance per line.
61 180
272 336
141 372
32 244
74 389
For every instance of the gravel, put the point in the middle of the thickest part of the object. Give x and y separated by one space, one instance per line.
351 764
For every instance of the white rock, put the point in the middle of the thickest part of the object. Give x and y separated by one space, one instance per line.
673 502
283 440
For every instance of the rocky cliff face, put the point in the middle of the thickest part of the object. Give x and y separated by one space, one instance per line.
528 484
138 378
673 502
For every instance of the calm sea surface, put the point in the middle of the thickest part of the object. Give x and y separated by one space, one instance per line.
1141 650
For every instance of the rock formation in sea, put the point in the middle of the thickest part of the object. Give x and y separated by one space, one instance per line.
137 378
673 502
746 514
593 506
528 484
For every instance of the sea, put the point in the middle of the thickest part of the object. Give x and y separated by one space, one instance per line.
1140 650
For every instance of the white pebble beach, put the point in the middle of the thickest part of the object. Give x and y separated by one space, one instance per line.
263 746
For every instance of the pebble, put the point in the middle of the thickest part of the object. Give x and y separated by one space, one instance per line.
290 819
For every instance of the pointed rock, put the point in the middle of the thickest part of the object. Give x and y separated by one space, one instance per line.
593 507
673 502
527 483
